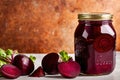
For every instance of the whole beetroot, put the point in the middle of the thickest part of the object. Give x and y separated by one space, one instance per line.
50 63
24 63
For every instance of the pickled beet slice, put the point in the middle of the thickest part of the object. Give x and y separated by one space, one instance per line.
104 43
10 71
50 63
103 68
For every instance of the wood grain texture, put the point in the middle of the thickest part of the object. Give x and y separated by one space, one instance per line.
48 25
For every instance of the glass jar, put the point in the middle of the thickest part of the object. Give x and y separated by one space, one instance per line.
94 43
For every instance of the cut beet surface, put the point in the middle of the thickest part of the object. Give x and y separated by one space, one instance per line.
38 72
69 69
10 71
104 43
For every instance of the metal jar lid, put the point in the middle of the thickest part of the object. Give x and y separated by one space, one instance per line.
95 16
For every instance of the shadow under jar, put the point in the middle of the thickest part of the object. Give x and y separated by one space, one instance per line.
94 43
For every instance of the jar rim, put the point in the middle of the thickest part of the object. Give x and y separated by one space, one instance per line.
95 16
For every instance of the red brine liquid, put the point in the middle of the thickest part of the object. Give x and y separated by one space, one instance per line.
94 43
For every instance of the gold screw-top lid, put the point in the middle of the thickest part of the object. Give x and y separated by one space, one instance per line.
95 16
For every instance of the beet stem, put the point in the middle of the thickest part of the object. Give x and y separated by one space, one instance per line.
7 60
64 56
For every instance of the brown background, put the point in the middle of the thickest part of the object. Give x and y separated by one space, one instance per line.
48 25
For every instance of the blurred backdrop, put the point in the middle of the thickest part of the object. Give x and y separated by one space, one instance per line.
42 26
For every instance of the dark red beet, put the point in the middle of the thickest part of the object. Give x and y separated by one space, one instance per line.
50 63
10 71
38 72
24 63
69 69
104 43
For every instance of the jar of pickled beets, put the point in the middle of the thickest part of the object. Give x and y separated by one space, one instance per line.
94 43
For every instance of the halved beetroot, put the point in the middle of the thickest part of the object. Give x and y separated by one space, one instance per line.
50 63
104 43
69 69
10 71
